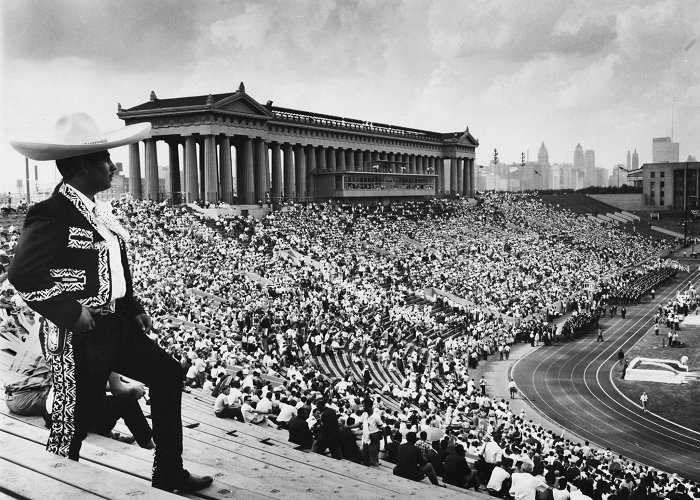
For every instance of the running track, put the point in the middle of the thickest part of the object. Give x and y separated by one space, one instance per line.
573 383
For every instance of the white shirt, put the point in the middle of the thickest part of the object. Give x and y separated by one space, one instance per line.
492 452
524 486
286 412
114 251
498 475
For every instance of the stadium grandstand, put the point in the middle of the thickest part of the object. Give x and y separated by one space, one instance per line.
322 341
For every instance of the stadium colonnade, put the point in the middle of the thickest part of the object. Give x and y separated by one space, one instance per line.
239 151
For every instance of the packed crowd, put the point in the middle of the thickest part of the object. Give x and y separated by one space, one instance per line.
427 290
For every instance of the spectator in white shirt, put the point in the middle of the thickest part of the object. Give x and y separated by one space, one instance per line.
524 485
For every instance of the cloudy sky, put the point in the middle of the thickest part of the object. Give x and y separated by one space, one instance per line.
605 73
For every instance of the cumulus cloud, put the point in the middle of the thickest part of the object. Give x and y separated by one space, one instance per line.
600 72
132 34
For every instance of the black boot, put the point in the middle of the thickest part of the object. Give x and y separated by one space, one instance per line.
182 481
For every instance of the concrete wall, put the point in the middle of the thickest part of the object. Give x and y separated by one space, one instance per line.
629 202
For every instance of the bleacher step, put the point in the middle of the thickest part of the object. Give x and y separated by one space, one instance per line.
91 480
31 484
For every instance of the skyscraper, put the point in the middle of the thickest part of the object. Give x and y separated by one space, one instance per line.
543 156
629 160
578 156
663 150
589 174
589 160
544 169
635 160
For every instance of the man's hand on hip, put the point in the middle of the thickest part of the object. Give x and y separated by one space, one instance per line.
85 322
144 322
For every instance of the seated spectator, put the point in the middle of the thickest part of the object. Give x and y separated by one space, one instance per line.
392 448
499 483
327 431
28 380
288 410
524 485
225 408
250 414
348 441
410 463
299 432
457 471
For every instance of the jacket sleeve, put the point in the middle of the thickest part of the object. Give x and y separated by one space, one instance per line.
41 239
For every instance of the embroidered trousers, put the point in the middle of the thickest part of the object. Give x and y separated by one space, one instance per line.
81 364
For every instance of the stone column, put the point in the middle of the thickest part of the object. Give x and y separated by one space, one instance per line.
191 181
310 167
300 167
239 193
357 160
321 159
276 171
151 170
135 188
472 178
391 158
383 157
226 166
248 172
202 171
405 165
350 160
289 174
367 161
411 164
261 169
174 164
376 158
466 180
211 170
440 171
453 176
339 159
330 159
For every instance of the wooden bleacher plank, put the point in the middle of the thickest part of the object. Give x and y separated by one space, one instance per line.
131 461
91 479
285 456
30 484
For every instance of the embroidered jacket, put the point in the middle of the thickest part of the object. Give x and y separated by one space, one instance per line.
61 262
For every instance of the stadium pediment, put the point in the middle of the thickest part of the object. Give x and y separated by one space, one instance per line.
242 103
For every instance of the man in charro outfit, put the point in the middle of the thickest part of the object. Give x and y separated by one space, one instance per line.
71 267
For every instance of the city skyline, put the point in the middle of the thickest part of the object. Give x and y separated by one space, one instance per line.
605 74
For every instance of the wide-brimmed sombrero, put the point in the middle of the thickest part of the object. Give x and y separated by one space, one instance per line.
77 134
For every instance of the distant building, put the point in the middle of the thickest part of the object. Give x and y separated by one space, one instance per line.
578 157
544 169
629 160
601 176
590 176
542 155
664 184
664 151
635 161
